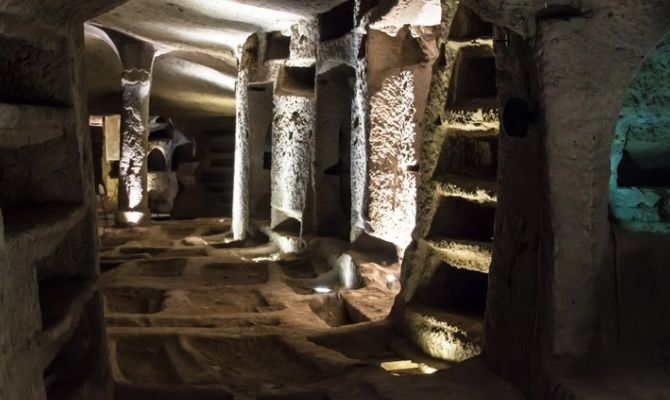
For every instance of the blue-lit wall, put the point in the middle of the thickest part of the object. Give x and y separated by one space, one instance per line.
643 134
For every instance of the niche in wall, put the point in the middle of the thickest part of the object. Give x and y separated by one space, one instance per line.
289 227
261 108
471 156
458 218
445 315
278 46
467 25
474 79
456 290
337 22
364 6
516 117
332 177
296 81
267 149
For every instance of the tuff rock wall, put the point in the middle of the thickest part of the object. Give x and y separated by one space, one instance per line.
553 279
51 341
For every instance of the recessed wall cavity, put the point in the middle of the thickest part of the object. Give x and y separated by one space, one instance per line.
516 117
296 81
156 161
278 46
474 79
332 158
467 25
337 22
261 106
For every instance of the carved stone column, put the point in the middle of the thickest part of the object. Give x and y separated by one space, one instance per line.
137 58
133 197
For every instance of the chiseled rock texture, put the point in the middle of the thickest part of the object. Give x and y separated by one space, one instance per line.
49 305
552 280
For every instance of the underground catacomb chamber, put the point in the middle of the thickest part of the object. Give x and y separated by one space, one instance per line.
286 194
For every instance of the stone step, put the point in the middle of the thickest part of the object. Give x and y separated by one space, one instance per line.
475 134
477 189
474 119
445 335
464 254
488 104
477 44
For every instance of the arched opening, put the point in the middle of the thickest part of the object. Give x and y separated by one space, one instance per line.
156 161
640 207
160 129
640 178
182 154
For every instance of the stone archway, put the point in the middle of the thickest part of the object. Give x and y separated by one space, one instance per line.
640 179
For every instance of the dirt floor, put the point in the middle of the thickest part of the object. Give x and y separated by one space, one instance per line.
192 315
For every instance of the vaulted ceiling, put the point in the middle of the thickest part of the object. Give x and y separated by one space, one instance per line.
199 37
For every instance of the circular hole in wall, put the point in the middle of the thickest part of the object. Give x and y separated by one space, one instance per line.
516 116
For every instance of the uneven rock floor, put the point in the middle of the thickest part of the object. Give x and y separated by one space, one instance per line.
192 315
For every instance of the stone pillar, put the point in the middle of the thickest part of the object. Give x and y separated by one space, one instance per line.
133 206
248 58
241 186
360 127
137 58
293 133
399 72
